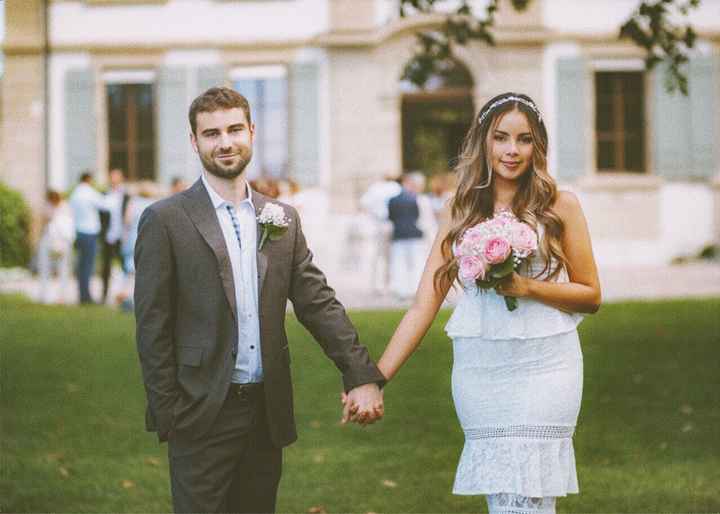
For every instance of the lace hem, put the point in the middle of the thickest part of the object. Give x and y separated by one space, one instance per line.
521 431
533 467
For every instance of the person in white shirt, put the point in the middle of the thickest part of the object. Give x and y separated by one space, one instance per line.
55 247
86 202
112 222
375 203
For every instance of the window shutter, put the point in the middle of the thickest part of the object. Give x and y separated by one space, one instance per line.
173 128
305 123
704 89
80 124
210 76
671 127
572 118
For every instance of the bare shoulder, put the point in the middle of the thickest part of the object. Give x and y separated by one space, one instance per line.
567 206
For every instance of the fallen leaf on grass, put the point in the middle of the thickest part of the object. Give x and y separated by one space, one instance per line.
319 458
686 409
64 472
319 509
687 427
127 484
663 446
72 388
55 457
389 483
152 461
315 424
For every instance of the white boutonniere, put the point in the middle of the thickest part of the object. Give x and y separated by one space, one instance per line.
273 221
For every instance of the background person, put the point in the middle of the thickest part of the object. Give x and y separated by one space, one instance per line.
112 228
406 247
374 202
86 202
55 247
146 195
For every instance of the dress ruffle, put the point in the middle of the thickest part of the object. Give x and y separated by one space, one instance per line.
483 314
529 467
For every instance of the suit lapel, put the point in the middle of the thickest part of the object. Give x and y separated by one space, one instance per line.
199 207
259 202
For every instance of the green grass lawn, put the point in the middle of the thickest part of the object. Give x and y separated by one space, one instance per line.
648 438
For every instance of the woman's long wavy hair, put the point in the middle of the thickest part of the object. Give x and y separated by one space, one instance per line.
474 199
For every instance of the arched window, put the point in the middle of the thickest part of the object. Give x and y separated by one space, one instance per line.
436 118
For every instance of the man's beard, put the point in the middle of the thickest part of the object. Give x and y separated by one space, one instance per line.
244 155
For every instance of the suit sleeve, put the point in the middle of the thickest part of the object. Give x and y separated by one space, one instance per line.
154 315
324 316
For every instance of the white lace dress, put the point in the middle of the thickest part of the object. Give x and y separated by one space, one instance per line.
517 385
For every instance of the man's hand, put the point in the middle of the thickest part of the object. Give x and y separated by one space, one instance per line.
363 405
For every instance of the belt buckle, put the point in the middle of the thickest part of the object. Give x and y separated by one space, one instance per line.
243 390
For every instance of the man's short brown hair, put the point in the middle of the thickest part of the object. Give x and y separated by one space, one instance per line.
215 99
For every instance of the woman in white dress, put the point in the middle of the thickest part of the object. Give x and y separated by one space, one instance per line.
517 375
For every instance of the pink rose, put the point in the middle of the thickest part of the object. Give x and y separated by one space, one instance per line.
496 250
472 268
523 239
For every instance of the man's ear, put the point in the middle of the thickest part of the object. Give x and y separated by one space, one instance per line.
193 142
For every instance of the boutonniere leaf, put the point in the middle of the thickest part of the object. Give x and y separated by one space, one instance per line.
274 223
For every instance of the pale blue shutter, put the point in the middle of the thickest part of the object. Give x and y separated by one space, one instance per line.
672 154
80 124
210 76
704 89
305 123
572 118
173 134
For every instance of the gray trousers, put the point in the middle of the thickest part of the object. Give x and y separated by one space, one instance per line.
234 468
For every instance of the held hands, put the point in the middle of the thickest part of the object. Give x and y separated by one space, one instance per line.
363 405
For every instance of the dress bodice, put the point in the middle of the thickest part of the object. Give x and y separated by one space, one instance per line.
483 313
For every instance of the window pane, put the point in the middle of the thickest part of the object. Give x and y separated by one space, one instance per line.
117 106
634 154
131 129
620 120
145 114
606 156
146 164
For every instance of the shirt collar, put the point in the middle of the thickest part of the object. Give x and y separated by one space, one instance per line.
218 200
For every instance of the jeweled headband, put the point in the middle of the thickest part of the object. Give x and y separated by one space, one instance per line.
506 100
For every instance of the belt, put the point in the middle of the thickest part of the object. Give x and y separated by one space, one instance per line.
245 390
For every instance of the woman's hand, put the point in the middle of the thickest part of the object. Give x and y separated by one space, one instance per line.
514 285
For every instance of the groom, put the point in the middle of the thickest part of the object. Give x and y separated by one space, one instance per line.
210 302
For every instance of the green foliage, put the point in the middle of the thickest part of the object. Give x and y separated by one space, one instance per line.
14 228
74 439
651 26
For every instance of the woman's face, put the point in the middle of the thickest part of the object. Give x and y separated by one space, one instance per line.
511 146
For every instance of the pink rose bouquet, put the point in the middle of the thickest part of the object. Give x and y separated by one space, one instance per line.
490 251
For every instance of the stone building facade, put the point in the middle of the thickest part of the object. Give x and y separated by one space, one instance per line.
90 84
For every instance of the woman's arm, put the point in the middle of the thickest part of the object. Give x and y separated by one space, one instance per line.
582 293
420 315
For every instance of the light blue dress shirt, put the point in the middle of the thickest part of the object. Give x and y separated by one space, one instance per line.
243 260
85 203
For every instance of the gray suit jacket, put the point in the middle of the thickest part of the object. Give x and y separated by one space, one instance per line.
187 318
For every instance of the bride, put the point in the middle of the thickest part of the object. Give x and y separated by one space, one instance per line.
517 375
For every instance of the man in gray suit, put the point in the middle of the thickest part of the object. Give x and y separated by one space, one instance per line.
210 300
